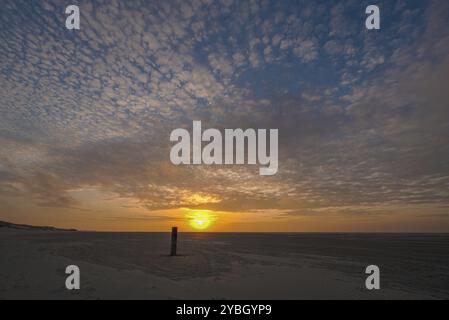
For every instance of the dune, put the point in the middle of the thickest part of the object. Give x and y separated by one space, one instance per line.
4 224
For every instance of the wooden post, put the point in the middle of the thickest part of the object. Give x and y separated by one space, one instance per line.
174 239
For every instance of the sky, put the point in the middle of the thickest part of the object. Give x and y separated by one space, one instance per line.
363 115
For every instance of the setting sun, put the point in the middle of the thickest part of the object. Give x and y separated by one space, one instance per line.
200 220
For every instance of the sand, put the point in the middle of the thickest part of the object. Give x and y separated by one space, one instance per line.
222 266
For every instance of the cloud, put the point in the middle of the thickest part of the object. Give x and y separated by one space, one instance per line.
362 116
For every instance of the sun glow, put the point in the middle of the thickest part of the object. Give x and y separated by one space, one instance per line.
200 220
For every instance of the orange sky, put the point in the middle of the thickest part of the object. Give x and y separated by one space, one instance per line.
109 213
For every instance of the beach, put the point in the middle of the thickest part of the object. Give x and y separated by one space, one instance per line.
222 265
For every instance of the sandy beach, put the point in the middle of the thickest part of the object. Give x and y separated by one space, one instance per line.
222 266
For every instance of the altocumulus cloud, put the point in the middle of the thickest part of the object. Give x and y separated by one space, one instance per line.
362 115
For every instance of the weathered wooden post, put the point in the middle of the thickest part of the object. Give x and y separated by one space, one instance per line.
174 239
